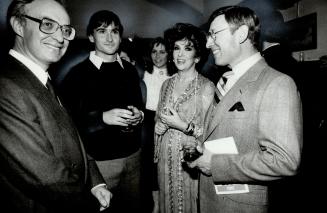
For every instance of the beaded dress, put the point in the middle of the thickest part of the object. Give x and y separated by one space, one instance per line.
178 184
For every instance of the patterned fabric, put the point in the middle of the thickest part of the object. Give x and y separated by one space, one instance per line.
222 84
178 185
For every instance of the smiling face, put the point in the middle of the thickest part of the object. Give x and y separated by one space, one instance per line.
43 49
184 55
106 39
159 55
223 43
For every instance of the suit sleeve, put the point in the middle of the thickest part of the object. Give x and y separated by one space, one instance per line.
278 136
28 160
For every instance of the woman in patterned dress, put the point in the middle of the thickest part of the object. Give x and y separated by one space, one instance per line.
184 101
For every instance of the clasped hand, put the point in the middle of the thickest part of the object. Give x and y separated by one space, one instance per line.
122 117
203 163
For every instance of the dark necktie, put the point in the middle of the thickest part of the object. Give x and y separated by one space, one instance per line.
50 88
52 91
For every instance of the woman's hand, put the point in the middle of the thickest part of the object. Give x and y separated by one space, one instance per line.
173 120
160 128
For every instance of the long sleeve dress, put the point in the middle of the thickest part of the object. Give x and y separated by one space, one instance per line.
178 184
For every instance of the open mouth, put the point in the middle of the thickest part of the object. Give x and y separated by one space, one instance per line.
180 61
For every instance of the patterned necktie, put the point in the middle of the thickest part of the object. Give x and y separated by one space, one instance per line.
221 85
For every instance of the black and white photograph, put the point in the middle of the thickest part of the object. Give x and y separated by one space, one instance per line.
162 106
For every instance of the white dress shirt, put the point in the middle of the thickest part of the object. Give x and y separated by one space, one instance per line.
38 71
241 68
97 61
153 82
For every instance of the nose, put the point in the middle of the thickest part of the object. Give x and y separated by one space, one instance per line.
209 42
109 36
58 35
180 52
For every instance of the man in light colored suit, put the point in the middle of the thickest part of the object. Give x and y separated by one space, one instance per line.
259 107
43 164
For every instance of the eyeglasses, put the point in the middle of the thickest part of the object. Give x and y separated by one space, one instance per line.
49 26
213 35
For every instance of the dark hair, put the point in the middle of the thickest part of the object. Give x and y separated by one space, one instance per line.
149 63
237 16
191 33
104 17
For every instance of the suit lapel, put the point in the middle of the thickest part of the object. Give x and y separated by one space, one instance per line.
234 94
28 80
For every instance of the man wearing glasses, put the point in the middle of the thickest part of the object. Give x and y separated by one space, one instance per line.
43 164
258 109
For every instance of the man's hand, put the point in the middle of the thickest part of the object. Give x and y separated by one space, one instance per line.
118 117
137 115
103 195
203 163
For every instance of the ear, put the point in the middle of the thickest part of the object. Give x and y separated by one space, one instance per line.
91 38
197 60
17 26
242 33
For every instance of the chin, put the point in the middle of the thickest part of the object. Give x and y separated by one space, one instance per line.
54 58
219 62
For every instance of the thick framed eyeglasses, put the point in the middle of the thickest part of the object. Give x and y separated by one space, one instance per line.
213 35
49 26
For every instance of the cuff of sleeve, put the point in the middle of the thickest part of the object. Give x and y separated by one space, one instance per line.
97 186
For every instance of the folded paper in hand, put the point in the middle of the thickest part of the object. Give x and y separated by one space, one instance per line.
226 146
222 146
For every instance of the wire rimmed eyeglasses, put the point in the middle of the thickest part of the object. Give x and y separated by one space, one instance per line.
49 26
213 35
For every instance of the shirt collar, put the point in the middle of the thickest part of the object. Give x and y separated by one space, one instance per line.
38 71
240 68
158 71
97 61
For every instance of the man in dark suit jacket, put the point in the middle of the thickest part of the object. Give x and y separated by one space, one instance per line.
44 167
261 111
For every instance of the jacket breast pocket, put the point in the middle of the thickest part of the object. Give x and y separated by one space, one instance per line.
237 114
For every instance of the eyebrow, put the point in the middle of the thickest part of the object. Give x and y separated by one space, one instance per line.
105 27
51 19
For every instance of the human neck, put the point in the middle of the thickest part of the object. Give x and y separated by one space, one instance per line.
164 67
187 75
245 53
107 57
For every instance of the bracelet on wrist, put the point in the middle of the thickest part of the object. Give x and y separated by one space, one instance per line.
190 129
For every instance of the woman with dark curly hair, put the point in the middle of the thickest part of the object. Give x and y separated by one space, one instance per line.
184 100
